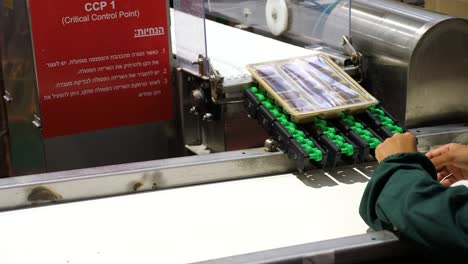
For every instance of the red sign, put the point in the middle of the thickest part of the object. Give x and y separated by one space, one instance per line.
101 64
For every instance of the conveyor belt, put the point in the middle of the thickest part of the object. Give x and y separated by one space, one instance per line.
250 48
190 224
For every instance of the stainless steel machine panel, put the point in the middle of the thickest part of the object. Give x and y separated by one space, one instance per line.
4 147
21 92
415 61
113 146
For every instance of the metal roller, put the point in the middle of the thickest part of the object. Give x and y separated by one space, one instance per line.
415 61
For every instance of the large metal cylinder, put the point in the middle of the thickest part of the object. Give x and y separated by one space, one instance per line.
415 61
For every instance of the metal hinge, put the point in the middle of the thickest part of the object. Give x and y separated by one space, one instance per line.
216 83
7 97
37 122
351 51
202 63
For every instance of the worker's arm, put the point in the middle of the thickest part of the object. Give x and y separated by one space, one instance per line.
404 194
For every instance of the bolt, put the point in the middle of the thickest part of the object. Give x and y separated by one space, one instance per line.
206 85
247 12
193 110
198 95
355 58
271 145
208 117
274 14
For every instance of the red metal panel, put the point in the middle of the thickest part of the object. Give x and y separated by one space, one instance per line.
101 64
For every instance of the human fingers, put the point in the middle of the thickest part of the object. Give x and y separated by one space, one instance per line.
398 143
456 155
448 181
379 155
442 174
456 172
460 156
438 151
442 160
409 136
449 175
403 142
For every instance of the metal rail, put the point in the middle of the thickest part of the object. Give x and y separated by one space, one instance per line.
20 192
365 248
67 186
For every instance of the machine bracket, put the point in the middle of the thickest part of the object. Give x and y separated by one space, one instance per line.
351 51
216 83
37 122
7 97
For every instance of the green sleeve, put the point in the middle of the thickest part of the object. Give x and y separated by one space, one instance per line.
404 194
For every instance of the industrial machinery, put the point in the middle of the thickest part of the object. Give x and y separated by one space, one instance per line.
392 54
412 61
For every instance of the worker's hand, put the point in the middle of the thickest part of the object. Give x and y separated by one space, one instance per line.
450 159
399 143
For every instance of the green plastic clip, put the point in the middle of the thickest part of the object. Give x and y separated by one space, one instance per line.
357 127
386 120
307 144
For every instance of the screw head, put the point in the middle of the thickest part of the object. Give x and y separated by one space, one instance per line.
270 145
208 117
193 110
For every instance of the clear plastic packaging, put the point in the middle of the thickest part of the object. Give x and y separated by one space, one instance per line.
311 86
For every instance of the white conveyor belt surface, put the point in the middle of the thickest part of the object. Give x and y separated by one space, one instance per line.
183 225
231 49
